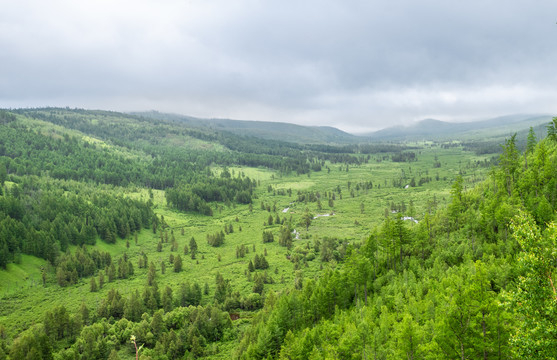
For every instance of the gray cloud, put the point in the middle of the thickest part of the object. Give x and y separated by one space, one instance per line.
356 64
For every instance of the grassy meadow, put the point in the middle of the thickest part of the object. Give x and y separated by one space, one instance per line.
350 217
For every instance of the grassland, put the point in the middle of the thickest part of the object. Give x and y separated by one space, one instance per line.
23 298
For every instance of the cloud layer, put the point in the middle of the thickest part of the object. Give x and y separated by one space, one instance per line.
357 65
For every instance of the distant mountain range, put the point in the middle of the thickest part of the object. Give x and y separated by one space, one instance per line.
428 129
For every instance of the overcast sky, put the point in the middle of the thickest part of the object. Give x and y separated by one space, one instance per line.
356 65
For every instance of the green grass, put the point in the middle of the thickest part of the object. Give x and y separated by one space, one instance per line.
19 277
24 300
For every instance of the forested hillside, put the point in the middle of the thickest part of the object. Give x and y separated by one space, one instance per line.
262 129
79 198
122 236
474 280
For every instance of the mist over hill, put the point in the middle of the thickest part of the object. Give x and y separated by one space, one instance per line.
427 129
431 129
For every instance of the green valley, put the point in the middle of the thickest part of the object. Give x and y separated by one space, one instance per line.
151 236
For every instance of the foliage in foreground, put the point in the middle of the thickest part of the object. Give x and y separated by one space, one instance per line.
475 280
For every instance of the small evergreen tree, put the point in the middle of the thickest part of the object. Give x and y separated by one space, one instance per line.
93 284
178 263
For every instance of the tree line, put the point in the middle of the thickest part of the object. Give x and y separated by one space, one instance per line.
44 217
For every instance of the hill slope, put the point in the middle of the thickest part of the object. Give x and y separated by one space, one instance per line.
474 280
431 129
262 129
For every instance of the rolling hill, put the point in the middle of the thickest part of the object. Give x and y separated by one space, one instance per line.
262 129
430 129
104 216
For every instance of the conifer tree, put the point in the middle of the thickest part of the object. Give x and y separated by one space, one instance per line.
93 283
534 301
178 263
193 248
151 274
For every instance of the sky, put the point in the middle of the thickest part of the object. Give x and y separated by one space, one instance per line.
356 65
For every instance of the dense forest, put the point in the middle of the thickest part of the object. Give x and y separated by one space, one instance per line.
473 279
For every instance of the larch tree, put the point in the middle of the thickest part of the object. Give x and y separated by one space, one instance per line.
534 301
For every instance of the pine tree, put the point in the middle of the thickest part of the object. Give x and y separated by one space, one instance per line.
167 299
258 284
531 142
193 247
111 272
534 301
93 285
84 312
178 263
306 219
552 129
101 279
151 274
